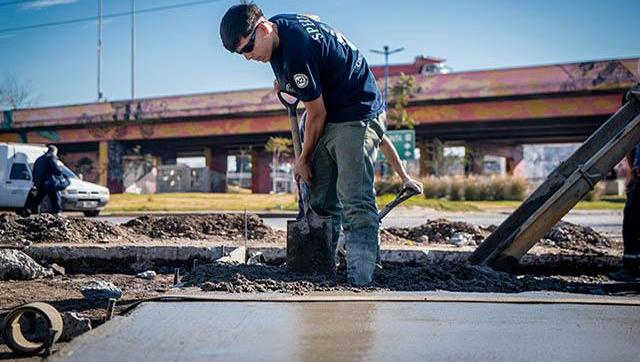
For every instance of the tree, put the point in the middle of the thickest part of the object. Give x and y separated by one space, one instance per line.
14 95
278 146
401 92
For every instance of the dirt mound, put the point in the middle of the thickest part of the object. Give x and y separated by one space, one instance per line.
443 276
230 226
440 231
387 237
568 236
46 228
564 235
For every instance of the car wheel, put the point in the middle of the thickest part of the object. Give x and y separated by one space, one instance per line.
92 213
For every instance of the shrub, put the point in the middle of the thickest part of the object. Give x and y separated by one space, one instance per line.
472 188
456 189
389 186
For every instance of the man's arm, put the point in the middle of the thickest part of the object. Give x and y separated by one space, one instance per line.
391 155
54 167
316 118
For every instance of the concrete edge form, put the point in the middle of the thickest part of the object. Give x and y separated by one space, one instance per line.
437 296
136 258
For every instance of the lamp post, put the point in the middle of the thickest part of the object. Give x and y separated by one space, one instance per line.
133 49
386 52
99 50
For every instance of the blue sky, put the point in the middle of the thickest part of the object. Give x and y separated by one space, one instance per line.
179 51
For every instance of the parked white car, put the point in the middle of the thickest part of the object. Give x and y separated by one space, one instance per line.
16 165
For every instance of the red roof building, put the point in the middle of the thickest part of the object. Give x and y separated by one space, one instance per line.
421 65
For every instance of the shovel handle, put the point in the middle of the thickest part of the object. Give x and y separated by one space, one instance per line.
297 145
401 197
293 120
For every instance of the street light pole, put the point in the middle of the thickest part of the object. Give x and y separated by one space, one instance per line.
386 52
133 49
99 50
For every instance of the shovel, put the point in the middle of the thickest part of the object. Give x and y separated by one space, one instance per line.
309 240
401 197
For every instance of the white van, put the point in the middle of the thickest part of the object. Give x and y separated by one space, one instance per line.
16 165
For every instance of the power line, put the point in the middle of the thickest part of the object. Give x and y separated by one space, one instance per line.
114 15
16 2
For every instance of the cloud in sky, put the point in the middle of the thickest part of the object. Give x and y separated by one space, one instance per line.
41 4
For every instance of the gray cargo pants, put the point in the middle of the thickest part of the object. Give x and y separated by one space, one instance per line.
342 187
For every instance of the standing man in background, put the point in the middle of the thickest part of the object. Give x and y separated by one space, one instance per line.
45 167
345 118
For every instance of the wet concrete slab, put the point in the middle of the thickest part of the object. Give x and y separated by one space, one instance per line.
365 328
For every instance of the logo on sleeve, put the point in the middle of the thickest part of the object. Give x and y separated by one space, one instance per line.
301 80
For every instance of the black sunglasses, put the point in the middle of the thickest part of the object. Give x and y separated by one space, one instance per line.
248 48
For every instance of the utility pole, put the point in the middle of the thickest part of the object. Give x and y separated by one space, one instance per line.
386 52
133 50
99 50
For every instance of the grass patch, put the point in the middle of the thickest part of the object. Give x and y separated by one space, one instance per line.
438 204
200 202
181 202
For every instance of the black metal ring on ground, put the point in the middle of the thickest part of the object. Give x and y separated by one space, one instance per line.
12 333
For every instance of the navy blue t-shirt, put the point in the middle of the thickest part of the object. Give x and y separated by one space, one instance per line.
313 59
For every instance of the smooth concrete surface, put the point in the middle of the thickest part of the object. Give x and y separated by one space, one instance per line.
366 330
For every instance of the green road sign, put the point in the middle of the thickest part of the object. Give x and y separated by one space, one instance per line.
405 143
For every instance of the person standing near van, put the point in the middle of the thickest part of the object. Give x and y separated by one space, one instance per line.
44 170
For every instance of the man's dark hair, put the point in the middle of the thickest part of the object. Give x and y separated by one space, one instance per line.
238 22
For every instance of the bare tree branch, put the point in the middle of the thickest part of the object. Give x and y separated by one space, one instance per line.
14 95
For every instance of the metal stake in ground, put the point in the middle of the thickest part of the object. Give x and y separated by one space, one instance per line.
110 309
176 276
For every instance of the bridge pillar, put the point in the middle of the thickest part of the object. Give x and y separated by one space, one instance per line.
110 165
513 154
216 161
473 157
260 172
103 162
431 156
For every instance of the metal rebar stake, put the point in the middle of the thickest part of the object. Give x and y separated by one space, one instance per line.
176 276
111 307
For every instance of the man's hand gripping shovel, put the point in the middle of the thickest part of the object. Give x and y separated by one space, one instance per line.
309 240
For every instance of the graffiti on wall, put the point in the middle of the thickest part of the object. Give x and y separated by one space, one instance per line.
596 74
82 163
7 118
114 169
51 135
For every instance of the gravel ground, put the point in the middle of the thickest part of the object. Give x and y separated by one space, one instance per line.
17 231
443 276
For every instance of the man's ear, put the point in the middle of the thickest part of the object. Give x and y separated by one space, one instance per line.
266 27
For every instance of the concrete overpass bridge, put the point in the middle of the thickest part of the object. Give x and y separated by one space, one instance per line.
489 112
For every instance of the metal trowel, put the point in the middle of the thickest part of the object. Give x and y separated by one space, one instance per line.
310 246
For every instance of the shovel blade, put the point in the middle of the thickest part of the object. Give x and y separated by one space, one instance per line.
310 244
